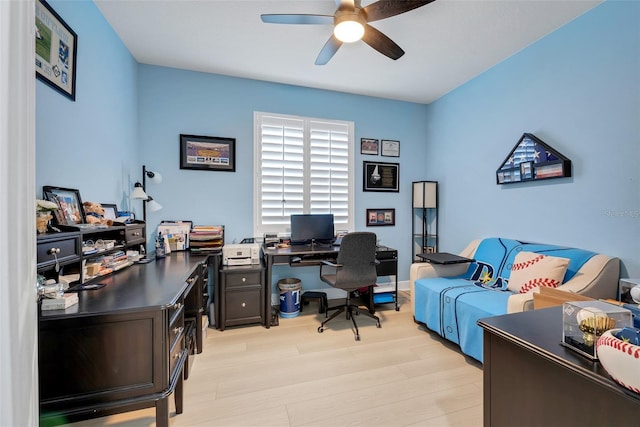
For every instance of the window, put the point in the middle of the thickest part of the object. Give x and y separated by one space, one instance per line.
302 165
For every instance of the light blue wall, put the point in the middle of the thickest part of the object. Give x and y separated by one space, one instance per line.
578 90
173 101
90 144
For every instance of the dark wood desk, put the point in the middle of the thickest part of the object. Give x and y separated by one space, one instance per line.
532 380
122 347
314 255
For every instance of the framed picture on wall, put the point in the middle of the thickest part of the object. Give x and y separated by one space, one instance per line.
369 146
390 148
209 153
379 176
56 48
378 217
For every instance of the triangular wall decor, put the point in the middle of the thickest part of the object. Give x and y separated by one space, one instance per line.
532 160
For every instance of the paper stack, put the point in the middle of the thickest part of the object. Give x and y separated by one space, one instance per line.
206 238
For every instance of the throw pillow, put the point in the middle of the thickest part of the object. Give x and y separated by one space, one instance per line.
531 270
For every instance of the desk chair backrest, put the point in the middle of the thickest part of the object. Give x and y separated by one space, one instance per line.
357 256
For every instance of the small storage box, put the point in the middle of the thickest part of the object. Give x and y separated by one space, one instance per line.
583 322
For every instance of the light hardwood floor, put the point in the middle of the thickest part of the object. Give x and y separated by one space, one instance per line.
290 375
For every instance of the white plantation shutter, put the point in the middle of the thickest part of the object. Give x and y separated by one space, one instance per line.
302 165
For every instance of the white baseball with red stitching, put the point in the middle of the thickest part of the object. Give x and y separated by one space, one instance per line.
620 359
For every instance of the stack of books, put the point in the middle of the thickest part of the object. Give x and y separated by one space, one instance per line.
206 238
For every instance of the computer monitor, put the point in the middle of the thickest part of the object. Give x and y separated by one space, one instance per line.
312 228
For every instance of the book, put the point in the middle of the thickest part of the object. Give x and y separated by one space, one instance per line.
65 301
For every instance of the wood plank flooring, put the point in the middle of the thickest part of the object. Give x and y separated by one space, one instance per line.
292 376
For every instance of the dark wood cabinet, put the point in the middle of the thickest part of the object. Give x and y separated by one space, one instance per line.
122 347
530 379
241 295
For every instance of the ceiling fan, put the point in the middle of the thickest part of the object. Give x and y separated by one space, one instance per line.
351 23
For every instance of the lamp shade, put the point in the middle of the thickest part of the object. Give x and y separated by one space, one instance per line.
154 177
425 194
152 205
138 192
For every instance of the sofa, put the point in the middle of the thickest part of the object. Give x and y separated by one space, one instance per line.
505 274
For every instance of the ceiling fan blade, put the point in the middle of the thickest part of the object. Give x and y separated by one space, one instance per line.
328 50
387 8
296 19
381 43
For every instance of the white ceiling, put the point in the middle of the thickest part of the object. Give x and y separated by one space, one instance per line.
447 42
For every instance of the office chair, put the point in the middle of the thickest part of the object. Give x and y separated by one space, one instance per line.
354 268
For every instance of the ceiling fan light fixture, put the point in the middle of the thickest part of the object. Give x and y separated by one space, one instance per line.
349 27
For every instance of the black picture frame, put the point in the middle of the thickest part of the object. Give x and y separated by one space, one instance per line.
56 49
211 153
390 148
110 210
380 217
369 146
70 210
381 176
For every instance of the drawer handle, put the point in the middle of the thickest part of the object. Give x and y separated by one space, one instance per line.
244 279
176 356
243 305
178 330
55 252
190 280
136 234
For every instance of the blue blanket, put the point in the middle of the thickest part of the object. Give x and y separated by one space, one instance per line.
452 306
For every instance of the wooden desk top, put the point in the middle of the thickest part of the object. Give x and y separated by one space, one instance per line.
540 331
156 284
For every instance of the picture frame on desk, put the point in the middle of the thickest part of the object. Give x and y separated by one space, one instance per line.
69 203
110 210
210 153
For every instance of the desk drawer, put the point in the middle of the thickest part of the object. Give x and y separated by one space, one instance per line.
134 234
242 278
244 305
65 250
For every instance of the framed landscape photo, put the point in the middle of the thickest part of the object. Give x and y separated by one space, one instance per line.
379 176
56 49
378 217
369 146
69 204
390 148
210 153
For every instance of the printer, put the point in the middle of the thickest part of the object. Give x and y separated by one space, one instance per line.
241 254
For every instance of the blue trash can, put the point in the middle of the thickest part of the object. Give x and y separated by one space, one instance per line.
290 289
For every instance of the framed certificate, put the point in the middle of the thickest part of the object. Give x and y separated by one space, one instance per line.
390 148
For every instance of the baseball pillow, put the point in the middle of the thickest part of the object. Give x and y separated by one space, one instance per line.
531 270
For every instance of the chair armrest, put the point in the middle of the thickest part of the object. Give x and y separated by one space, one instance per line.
330 263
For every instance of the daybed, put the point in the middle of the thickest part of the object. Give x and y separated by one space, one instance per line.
449 299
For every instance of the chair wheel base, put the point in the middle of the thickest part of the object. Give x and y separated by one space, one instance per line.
357 337
320 329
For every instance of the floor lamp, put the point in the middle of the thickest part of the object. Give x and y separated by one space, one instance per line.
140 192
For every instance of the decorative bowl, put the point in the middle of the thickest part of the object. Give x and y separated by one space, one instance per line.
620 359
